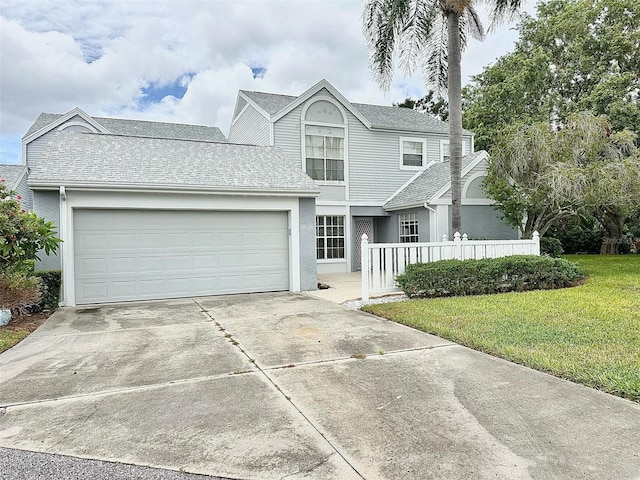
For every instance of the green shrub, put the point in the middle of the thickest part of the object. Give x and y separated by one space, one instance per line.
49 282
551 246
491 275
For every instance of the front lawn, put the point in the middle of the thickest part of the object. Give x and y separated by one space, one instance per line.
588 334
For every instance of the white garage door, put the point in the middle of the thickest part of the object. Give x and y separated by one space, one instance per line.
125 255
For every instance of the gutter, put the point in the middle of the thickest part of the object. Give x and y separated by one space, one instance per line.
44 185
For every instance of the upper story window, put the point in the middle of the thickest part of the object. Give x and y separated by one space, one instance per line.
324 157
413 152
324 141
408 227
444 150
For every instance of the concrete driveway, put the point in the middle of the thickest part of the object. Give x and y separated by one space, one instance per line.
290 386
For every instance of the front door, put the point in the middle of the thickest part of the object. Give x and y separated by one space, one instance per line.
363 225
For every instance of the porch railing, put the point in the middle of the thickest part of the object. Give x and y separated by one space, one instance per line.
382 262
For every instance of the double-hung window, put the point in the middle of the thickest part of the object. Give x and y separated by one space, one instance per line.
329 237
325 157
408 227
413 152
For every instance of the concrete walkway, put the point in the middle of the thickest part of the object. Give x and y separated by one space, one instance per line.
275 386
343 287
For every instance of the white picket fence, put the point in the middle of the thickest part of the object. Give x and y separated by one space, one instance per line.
382 262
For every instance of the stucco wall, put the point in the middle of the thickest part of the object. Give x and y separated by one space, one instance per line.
482 222
46 204
308 262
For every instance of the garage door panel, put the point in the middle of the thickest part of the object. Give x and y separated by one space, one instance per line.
125 255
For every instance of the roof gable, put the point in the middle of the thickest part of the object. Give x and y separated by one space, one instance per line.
275 106
431 183
120 126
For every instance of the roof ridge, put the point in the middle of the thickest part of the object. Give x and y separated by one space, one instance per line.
173 139
152 121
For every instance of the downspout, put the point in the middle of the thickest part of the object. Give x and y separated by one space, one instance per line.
433 220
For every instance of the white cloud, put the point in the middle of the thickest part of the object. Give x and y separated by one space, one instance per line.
100 55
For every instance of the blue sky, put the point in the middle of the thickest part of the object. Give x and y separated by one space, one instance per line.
184 61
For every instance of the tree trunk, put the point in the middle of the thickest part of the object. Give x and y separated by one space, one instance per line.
455 119
613 224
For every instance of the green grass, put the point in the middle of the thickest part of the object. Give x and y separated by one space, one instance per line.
8 338
589 334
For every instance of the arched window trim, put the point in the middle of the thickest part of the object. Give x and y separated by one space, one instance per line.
76 123
344 126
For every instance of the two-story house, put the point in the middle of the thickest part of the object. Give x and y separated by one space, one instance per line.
382 170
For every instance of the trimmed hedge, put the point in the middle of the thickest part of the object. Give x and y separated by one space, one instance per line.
50 282
517 273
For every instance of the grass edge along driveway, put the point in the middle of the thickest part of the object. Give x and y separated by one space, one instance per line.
588 334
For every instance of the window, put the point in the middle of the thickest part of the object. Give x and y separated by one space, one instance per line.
444 151
325 157
329 237
412 152
408 227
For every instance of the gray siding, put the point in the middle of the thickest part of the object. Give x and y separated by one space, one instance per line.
481 167
387 229
332 192
25 192
46 204
286 135
251 128
373 156
482 222
36 149
308 262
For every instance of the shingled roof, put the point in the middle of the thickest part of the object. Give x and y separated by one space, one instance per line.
428 183
74 159
142 128
379 116
11 174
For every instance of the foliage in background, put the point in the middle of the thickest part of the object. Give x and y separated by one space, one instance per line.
431 35
431 104
518 273
22 234
576 55
538 175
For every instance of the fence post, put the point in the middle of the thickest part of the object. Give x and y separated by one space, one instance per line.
465 237
445 238
457 247
364 266
536 243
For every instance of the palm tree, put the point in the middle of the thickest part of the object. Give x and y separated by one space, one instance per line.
430 34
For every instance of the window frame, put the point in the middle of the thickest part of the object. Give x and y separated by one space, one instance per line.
423 141
446 142
345 128
325 159
411 219
325 237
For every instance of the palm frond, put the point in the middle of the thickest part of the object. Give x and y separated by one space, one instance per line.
473 23
503 11
383 22
415 36
435 59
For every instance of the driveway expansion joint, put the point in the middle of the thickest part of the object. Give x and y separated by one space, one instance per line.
286 397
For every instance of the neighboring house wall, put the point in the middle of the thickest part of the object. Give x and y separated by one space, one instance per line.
308 262
251 128
47 204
